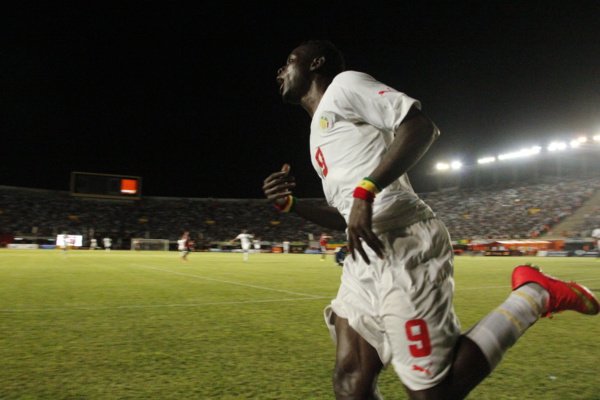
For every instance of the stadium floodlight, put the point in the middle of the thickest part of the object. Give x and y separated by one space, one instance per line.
521 153
557 146
441 166
574 144
582 139
596 138
486 160
456 165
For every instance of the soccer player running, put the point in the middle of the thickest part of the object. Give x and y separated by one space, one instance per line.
323 239
394 304
244 239
183 247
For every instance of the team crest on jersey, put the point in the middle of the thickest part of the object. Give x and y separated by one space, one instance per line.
326 122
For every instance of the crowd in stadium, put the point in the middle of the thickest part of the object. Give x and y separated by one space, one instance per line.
515 211
42 213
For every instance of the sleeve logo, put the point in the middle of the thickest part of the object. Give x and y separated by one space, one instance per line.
326 122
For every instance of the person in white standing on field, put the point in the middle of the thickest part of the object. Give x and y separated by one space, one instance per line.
244 239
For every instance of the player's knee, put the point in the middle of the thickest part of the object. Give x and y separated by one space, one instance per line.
350 385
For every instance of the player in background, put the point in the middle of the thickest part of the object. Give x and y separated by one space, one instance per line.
137 244
182 246
395 301
256 244
596 236
244 239
107 243
340 255
323 239
93 243
190 244
65 244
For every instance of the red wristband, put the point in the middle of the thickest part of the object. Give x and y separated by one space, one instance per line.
364 194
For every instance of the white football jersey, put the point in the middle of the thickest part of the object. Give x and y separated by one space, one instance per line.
351 131
245 239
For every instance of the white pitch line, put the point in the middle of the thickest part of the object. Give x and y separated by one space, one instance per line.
230 282
153 305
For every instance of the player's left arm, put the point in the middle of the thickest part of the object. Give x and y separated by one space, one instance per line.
413 137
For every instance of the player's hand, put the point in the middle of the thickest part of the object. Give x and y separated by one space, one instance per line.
277 187
360 230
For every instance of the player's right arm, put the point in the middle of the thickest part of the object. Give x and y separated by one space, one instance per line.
278 186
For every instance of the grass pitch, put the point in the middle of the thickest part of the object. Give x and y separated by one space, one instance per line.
126 325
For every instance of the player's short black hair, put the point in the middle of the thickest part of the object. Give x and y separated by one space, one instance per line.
334 59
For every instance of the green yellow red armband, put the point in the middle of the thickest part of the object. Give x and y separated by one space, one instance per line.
367 189
290 205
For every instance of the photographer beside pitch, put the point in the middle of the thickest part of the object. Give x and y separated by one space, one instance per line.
394 304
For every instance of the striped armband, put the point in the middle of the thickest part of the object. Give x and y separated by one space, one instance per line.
367 189
290 205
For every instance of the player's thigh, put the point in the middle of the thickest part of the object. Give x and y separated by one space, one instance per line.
354 354
423 341
417 310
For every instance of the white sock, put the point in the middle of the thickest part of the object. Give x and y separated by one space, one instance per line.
499 330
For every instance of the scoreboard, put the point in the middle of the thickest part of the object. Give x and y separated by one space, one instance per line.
85 184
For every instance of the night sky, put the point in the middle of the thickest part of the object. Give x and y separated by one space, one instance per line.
185 96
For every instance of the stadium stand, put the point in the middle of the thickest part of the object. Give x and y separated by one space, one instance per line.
511 211
507 212
45 214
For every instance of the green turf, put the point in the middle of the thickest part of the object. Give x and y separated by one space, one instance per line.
126 325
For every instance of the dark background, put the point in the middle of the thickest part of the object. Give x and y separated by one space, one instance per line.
185 95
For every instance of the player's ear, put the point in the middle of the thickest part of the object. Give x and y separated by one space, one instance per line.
317 63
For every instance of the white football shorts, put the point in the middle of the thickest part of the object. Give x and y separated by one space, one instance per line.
402 305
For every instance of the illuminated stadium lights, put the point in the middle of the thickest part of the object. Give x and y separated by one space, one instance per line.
443 166
486 160
578 144
557 146
521 153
